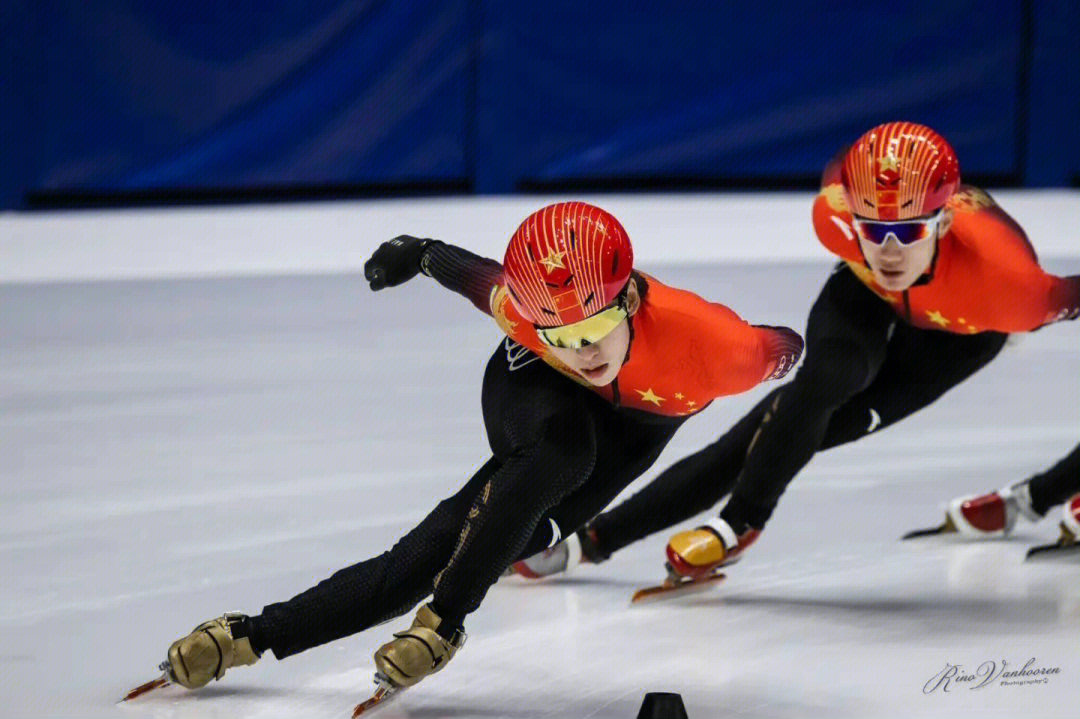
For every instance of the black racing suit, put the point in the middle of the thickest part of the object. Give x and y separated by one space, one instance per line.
1055 485
560 454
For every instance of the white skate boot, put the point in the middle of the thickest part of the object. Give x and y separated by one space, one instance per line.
986 515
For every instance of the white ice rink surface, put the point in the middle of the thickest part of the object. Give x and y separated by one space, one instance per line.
170 450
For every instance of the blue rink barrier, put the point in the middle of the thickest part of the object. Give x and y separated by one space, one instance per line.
110 100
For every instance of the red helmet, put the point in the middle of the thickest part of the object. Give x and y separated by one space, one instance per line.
567 262
898 171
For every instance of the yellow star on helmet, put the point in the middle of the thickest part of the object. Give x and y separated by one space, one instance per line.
553 261
889 162
938 318
648 396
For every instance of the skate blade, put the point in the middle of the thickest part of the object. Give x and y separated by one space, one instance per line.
676 588
383 693
162 681
946 527
1053 551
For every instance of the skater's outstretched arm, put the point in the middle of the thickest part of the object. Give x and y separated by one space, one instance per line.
403 257
1025 296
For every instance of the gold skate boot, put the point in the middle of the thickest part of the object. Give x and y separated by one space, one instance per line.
416 652
208 651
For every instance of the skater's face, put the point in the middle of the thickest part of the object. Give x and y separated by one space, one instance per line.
599 362
897 266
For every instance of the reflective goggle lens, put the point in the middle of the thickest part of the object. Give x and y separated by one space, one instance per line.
906 232
586 332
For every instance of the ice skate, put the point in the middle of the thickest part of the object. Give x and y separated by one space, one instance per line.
162 681
413 654
384 691
579 548
558 559
1068 542
204 654
676 585
696 556
984 516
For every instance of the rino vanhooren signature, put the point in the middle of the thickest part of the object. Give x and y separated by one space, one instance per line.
989 673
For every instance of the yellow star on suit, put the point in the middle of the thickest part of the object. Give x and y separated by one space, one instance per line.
937 318
648 396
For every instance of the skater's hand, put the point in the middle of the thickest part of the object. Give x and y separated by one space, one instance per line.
395 262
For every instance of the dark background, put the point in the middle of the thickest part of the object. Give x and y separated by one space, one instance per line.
120 101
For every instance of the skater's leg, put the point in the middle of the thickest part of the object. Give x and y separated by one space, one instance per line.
1056 484
691 485
626 450
846 339
542 429
374 590
920 366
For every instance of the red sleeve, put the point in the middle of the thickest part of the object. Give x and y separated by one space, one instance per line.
746 355
1025 296
1028 298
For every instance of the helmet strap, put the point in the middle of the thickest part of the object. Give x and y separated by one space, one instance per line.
623 302
928 276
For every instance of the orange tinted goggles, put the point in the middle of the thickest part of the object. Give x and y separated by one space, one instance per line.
588 331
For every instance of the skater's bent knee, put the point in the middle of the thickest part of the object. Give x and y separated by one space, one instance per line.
836 371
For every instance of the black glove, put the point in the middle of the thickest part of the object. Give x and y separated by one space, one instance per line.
395 262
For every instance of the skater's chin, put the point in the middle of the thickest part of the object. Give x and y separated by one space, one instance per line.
895 280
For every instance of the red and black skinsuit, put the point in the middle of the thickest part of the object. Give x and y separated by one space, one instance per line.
561 451
873 357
